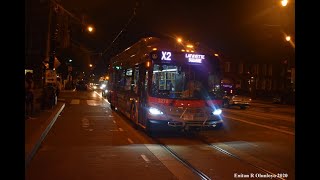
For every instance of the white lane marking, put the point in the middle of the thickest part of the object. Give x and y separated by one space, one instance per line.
75 101
168 160
144 157
270 115
114 121
93 103
120 129
85 122
130 141
265 126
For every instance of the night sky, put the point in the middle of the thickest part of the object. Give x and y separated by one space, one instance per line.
236 29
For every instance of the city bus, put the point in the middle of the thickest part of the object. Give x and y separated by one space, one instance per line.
159 85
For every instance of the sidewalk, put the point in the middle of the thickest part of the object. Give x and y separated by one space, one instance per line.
37 127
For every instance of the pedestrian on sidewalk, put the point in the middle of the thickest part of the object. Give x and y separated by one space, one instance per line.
29 94
58 87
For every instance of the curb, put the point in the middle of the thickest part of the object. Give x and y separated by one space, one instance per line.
52 120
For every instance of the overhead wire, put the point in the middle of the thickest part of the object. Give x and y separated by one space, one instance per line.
125 26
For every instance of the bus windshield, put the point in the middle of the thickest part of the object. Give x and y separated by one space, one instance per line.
182 82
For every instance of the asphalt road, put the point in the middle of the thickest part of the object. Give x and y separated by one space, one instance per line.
89 141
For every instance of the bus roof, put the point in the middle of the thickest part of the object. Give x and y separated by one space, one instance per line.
139 52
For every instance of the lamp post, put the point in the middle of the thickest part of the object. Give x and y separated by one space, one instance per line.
288 63
284 3
53 31
49 74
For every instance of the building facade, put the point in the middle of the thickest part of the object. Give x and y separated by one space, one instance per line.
259 79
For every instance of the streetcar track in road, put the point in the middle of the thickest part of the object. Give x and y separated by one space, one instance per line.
169 164
222 150
175 156
219 149
182 160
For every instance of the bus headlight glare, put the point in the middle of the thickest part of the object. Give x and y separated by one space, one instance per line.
102 86
217 112
155 111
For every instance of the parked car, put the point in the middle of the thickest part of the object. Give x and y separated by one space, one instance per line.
81 86
277 99
236 98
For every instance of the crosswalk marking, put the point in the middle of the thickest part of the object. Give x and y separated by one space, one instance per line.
89 102
93 103
75 101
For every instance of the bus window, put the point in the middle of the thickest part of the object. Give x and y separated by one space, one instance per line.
128 79
175 81
135 80
164 79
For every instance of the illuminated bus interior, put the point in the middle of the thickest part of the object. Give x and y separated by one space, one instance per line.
181 82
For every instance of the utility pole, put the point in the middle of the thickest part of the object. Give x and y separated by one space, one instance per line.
53 30
49 97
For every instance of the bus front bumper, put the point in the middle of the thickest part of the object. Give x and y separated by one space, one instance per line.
171 124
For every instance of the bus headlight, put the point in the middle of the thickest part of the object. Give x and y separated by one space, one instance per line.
217 112
102 86
155 111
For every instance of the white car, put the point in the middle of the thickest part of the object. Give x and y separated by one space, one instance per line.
241 101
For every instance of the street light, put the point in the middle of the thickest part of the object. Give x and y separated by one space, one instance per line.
90 65
288 38
284 3
90 28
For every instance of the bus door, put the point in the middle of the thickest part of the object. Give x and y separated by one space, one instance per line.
142 91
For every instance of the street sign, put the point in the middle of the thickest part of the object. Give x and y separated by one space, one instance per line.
51 76
56 62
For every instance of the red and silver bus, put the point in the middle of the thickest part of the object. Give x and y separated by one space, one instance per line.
158 85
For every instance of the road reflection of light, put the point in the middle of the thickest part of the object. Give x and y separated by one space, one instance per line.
101 97
94 94
93 103
236 144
